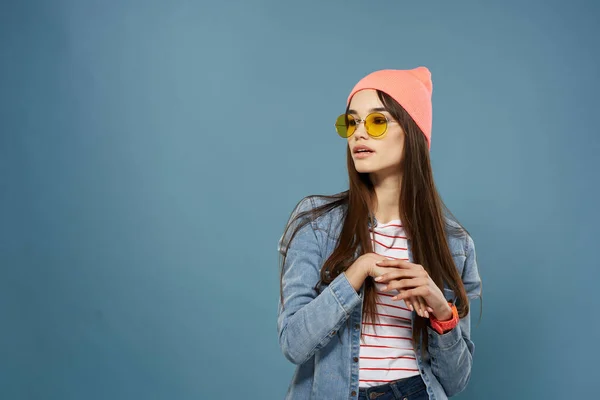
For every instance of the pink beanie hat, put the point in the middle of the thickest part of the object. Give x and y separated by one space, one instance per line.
411 88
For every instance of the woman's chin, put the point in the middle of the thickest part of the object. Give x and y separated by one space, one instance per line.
363 169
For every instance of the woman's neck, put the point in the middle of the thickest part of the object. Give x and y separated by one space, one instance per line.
387 204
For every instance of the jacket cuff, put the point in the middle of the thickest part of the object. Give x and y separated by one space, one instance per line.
444 341
344 293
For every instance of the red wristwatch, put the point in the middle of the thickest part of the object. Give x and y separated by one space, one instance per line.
442 327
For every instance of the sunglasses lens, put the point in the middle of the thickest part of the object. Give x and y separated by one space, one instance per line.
345 125
376 124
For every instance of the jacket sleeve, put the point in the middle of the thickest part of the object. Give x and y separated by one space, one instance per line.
308 321
452 353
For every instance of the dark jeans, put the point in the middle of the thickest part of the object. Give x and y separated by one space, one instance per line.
412 388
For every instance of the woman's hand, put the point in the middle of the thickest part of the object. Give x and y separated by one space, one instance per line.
371 267
413 281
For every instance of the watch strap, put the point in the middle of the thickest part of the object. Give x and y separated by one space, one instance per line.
444 326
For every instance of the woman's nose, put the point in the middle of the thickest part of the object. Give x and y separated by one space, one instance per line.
360 129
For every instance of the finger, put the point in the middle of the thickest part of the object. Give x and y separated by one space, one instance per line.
409 304
397 273
396 263
414 305
423 306
417 305
418 291
376 271
406 283
379 258
408 301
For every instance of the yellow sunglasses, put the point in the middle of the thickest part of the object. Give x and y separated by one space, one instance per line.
375 124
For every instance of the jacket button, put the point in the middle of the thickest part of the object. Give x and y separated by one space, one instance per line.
357 326
333 332
355 359
353 393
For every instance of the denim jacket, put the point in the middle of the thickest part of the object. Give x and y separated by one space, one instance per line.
321 333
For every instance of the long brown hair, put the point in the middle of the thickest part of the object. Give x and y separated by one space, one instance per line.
422 212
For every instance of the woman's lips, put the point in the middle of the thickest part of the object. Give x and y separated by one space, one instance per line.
363 154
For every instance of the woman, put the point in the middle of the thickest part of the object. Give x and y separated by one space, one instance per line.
376 280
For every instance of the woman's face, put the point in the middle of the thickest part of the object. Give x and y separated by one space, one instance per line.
386 155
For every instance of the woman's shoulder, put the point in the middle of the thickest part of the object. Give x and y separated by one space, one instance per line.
314 212
458 236
321 209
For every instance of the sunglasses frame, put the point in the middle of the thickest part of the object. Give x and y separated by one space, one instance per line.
359 121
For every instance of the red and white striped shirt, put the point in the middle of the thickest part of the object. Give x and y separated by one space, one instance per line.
386 352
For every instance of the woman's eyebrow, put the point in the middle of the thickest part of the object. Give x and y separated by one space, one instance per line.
377 109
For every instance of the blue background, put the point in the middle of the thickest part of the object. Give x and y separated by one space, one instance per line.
151 152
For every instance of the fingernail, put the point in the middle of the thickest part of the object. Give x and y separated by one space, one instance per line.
426 314
378 278
384 288
411 307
